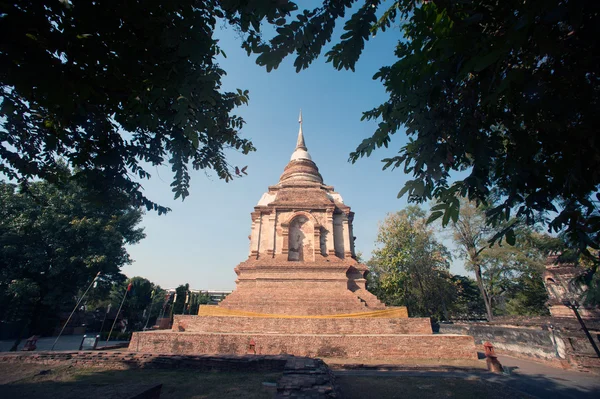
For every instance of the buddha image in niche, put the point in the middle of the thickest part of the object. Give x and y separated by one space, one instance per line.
300 245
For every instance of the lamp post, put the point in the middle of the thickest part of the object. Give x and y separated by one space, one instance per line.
574 305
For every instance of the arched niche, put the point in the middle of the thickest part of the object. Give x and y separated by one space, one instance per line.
301 237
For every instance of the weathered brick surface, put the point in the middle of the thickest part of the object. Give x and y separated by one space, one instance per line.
250 325
380 346
278 286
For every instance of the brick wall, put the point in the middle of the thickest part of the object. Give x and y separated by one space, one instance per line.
126 360
384 346
225 324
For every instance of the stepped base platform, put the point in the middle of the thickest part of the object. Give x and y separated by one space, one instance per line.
347 346
382 334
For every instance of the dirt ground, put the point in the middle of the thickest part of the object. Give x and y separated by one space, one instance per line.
25 381
353 387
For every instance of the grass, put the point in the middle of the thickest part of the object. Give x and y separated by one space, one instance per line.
24 381
390 387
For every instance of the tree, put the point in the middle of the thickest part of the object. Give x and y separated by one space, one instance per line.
179 303
528 296
53 242
470 235
507 91
467 302
196 300
113 88
410 267
143 303
500 269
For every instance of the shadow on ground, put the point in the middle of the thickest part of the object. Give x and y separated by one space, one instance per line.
465 385
25 381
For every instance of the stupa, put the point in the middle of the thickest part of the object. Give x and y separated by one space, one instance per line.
302 291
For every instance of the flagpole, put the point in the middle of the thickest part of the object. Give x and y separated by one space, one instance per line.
173 306
150 312
187 298
74 309
119 311
164 307
104 320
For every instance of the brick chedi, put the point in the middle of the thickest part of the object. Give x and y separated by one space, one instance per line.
302 259
301 291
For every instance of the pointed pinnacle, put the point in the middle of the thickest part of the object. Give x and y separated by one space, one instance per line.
300 143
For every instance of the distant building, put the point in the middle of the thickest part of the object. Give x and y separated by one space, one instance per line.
215 295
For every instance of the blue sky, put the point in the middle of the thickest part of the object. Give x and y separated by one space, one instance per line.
206 236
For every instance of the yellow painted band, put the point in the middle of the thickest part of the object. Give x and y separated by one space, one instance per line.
210 310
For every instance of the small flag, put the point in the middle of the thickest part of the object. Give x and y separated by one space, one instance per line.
187 297
129 287
175 298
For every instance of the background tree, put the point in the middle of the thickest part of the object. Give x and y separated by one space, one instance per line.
144 301
501 269
98 298
470 234
467 302
527 296
179 304
53 241
410 267
507 91
197 299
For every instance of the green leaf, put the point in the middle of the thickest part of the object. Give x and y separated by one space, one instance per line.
434 216
510 237
482 62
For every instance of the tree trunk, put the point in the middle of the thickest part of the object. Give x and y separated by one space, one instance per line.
486 300
30 323
17 342
444 308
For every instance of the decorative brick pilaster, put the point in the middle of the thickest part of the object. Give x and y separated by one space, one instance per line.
330 237
346 229
272 232
255 235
